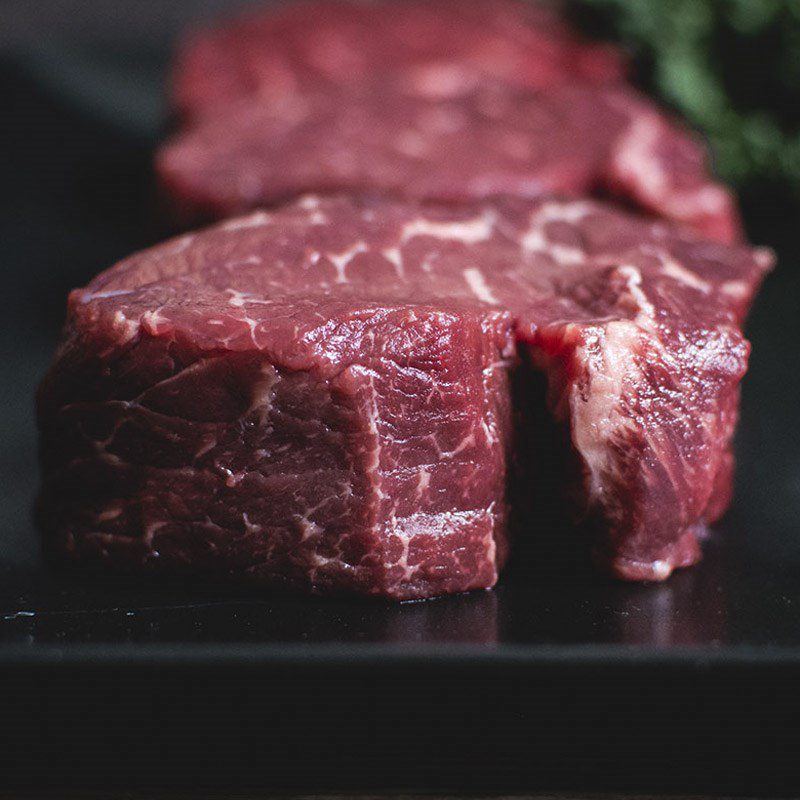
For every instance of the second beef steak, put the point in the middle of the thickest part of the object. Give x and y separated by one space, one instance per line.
490 140
447 100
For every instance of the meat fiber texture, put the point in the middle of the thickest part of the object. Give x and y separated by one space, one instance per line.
445 101
318 396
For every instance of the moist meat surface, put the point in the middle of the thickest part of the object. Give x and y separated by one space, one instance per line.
317 396
323 44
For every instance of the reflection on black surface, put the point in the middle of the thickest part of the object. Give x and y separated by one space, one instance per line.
76 607
689 609
729 598
467 619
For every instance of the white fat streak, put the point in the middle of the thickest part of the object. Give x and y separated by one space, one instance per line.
207 446
440 80
466 442
255 220
239 299
150 531
252 326
491 542
128 327
441 524
241 262
311 204
250 527
395 256
309 528
405 537
152 319
261 393
764 257
736 289
708 199
427 263
488 432
684 204
634 155
571 211
678 272
644 311
661 569
535 240
641 306
636 159
178 245
477 284
597 420
373 466
478 229
109 513
375 460
89 296
423 481
341 260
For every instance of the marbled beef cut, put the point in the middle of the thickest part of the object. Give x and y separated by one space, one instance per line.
318 396
454 99
445 45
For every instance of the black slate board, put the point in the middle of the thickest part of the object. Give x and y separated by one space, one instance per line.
559 678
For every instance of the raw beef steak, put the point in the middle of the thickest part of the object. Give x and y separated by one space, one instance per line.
318 396
493 139
445 46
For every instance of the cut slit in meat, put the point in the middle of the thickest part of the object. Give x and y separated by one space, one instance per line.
318 396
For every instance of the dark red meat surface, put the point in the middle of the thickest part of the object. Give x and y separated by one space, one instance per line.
318 396
446 46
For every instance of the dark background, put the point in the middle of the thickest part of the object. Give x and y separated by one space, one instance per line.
731 67
558 663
